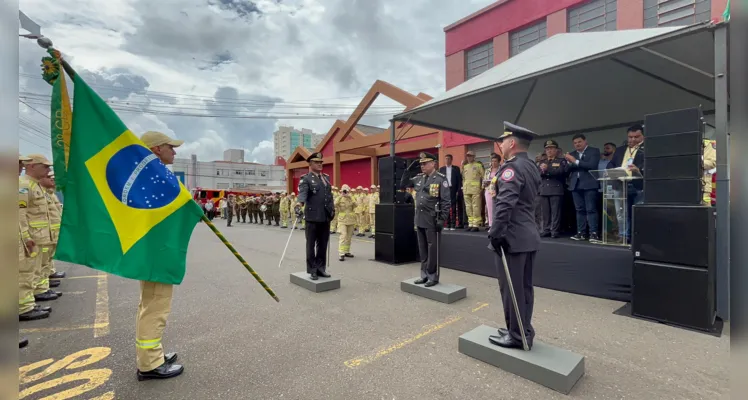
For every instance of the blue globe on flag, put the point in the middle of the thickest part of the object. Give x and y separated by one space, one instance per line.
140 180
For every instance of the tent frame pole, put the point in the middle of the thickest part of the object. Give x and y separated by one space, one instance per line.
722 137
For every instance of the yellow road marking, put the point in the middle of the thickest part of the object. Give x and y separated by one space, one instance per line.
105 396
367 359
483 305
82 277
102 307
63 328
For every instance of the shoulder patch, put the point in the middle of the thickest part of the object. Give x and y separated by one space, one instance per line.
442 175
445 183
507 175
23 190
714 145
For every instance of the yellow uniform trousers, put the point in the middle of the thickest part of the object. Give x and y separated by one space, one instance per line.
26 278
154 308
344 243
372 221
46 268
285 215
473 209
334 224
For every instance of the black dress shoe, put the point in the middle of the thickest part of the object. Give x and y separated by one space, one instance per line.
170 358
23 343
165 371
43 308
46 296
54 283
323 274
57 275
505 341
430 283
313 277
503 331
33 315
420 281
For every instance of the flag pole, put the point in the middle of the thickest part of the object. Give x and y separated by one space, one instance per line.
239 257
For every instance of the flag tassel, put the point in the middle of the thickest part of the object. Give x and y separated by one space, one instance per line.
239 257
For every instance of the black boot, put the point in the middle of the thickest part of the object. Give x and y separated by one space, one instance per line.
46 296
165 371
313 276
420 281
23 343
323 274
33 315
57 275
342 258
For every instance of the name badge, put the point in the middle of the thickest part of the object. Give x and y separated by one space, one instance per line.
629 161
556 164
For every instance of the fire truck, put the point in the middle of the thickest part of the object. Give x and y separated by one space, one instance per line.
215 195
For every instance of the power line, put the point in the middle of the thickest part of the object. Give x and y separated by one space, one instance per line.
209 97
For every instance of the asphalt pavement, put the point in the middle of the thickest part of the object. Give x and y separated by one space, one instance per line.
366 340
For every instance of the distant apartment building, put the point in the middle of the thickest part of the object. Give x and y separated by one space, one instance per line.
287 138
230 173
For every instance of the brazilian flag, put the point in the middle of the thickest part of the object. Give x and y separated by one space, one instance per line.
125 212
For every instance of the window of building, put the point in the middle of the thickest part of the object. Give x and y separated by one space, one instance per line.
523 39
237 172
263 173
250 172
676 12
222 186
479 59
593 16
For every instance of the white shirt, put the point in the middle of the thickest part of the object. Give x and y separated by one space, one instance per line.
209 205
449 174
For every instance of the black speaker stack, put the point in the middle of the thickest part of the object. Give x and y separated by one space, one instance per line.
395 240
673 233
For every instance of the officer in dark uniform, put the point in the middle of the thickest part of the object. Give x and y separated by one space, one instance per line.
315 199
432 208
514 230
553 170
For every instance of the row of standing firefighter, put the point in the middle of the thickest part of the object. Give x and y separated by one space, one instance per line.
355 212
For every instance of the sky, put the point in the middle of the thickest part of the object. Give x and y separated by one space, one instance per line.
223 74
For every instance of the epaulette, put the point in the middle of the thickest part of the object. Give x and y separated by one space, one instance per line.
325 175
440 174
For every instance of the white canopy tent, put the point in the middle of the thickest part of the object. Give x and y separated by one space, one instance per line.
589 82
582 82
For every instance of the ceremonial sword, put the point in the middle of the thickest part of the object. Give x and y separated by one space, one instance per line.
514 300
293 228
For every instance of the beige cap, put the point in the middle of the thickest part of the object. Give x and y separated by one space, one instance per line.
470 153
373 186
23 158
37 159
346 188
155 139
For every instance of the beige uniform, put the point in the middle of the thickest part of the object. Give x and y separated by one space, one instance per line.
710 164
285 210
37 214
345 208
373 201
362 210
472 178
334 222
26 257
55 219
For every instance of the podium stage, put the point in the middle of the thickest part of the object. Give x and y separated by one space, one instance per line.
561 264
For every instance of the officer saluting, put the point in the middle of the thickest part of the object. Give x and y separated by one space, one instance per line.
432 208
553 174
514 230
315 196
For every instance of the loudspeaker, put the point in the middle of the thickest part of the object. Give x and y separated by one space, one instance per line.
683 235
672 191
390 171
675 167
393 218
677 121
674 294
397 248
677 144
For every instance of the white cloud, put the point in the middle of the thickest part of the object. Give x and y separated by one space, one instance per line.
276 54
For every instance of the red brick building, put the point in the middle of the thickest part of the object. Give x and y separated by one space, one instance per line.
505 28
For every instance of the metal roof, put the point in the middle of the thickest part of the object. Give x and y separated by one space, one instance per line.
581 82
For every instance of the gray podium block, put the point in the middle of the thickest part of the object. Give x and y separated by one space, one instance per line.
442 292
320 285
552 367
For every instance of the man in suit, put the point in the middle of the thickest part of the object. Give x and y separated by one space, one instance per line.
514 231
315 198
454 178
630 157
584 187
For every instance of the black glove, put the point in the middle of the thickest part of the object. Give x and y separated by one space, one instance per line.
497 243
439 225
